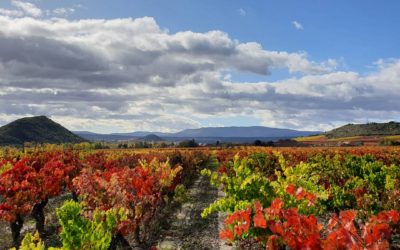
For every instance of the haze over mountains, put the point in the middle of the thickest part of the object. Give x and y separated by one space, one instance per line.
41 129
207 134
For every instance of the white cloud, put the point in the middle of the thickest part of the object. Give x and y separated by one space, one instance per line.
297 25
12 13
63 12
29 8
129 74
130 51
241 12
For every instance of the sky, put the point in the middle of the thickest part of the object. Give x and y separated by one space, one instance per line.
129 65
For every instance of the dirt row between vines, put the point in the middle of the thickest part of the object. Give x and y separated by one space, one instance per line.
177 226
186 229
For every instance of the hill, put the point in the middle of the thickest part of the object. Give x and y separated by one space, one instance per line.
369 129
152 138
39 129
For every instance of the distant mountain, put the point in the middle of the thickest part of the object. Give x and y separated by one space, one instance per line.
138 134
242 132
152 138
368 129
39 129
84 132
104 137
208 134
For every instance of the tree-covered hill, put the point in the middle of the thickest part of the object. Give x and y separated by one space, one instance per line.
369 129
39 129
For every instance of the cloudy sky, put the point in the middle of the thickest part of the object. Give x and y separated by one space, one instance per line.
127 65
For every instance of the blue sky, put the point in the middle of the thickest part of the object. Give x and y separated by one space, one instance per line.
348 37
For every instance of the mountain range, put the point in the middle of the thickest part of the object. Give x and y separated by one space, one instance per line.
206 134
41 129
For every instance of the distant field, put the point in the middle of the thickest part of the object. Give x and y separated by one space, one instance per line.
310 138
393 137
324 138
351 138
366 140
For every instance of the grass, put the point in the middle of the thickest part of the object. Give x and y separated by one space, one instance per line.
392 137
350 138
310 138
323 137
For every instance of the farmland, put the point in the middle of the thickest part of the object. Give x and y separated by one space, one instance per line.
204 125
322 140
314 198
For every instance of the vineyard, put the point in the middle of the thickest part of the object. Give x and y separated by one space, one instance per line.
276 198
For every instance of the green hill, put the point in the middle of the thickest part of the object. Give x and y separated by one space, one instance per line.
39 129
369 129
